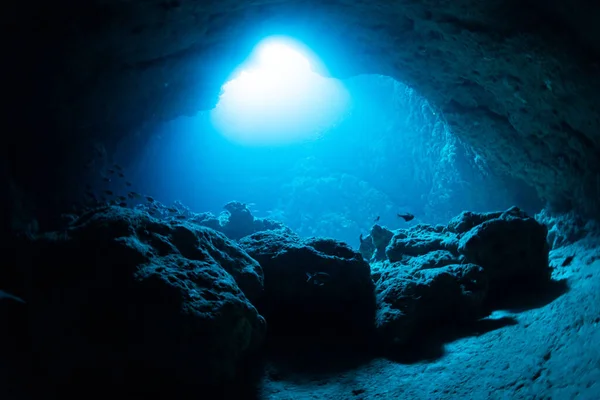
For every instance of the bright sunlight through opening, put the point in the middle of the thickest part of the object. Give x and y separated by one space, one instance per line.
278 99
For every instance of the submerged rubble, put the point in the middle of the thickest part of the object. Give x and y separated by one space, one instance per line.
130 294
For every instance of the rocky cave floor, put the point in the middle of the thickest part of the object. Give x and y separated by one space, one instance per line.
492 305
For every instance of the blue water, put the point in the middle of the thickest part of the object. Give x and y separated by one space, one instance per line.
383 151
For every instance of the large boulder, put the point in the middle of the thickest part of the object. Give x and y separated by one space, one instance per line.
237 221
435 275
512 248
410 302
120 295
316 288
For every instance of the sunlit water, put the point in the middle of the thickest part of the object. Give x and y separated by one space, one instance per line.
277 98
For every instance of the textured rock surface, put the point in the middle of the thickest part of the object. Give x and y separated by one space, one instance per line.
511 248
420 240
122 295
517 82
426 300
565 229
315 289
455 274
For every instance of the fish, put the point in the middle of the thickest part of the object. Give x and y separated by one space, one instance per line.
111 171
180 216
150 199
123 204
172 209
121 175
109 192
377 218
117 166
406 216
318 278
106 179
128 184
122 198
361 238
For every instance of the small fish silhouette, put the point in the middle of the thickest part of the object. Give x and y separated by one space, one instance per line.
377 218
406 216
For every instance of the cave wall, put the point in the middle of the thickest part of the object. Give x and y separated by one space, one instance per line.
518 81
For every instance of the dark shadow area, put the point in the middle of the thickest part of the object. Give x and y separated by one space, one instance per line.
523 296
305 341
15 355
300 355
136 381
324 329
430 343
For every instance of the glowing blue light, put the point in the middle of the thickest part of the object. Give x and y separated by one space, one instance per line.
278 99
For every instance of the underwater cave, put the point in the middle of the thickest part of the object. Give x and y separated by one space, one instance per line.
298 200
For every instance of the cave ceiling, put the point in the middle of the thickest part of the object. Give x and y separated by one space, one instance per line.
519 81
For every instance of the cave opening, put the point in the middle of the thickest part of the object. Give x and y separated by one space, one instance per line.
276 98
327 157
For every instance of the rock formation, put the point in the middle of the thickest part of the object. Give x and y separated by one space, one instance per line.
120 295
147 302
